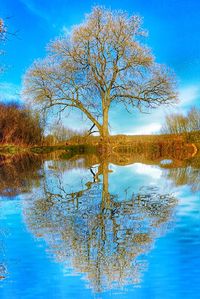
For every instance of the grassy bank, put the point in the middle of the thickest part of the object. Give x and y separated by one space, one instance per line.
93 144
116 140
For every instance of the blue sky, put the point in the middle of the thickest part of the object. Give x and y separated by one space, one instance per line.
173 26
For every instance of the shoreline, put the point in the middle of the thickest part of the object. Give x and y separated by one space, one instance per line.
114 143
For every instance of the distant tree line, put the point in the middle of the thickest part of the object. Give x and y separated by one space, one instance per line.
19 125
178 123
59 134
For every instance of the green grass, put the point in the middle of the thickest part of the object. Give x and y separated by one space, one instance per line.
44 149
11 149
71 149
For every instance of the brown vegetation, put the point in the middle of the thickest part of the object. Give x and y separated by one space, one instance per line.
19 126
19 173
134 140
178 123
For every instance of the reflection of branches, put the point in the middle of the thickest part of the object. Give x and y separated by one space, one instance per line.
186 173
185 176
3 271
99 236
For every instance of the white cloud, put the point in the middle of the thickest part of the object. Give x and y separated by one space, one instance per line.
153 172
189 95
147 129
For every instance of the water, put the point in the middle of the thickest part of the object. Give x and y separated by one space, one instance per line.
84 227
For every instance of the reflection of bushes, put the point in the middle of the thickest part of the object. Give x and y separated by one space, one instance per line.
187 173
185 176
18 173
158 150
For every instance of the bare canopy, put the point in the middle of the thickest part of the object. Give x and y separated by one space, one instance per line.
101 63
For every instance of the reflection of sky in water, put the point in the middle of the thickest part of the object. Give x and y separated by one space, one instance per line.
173 264
73 180
132 177
123 180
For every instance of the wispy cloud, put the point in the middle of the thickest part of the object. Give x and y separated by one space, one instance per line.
9 92
189 96
34 9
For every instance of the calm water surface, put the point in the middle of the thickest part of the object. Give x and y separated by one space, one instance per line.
99 228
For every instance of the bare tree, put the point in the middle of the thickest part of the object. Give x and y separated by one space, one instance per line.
103 62
177 123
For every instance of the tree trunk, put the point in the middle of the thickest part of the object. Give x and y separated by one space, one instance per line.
105 132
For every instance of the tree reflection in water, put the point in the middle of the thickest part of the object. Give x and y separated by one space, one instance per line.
91 230
186 174
94 233
3 271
